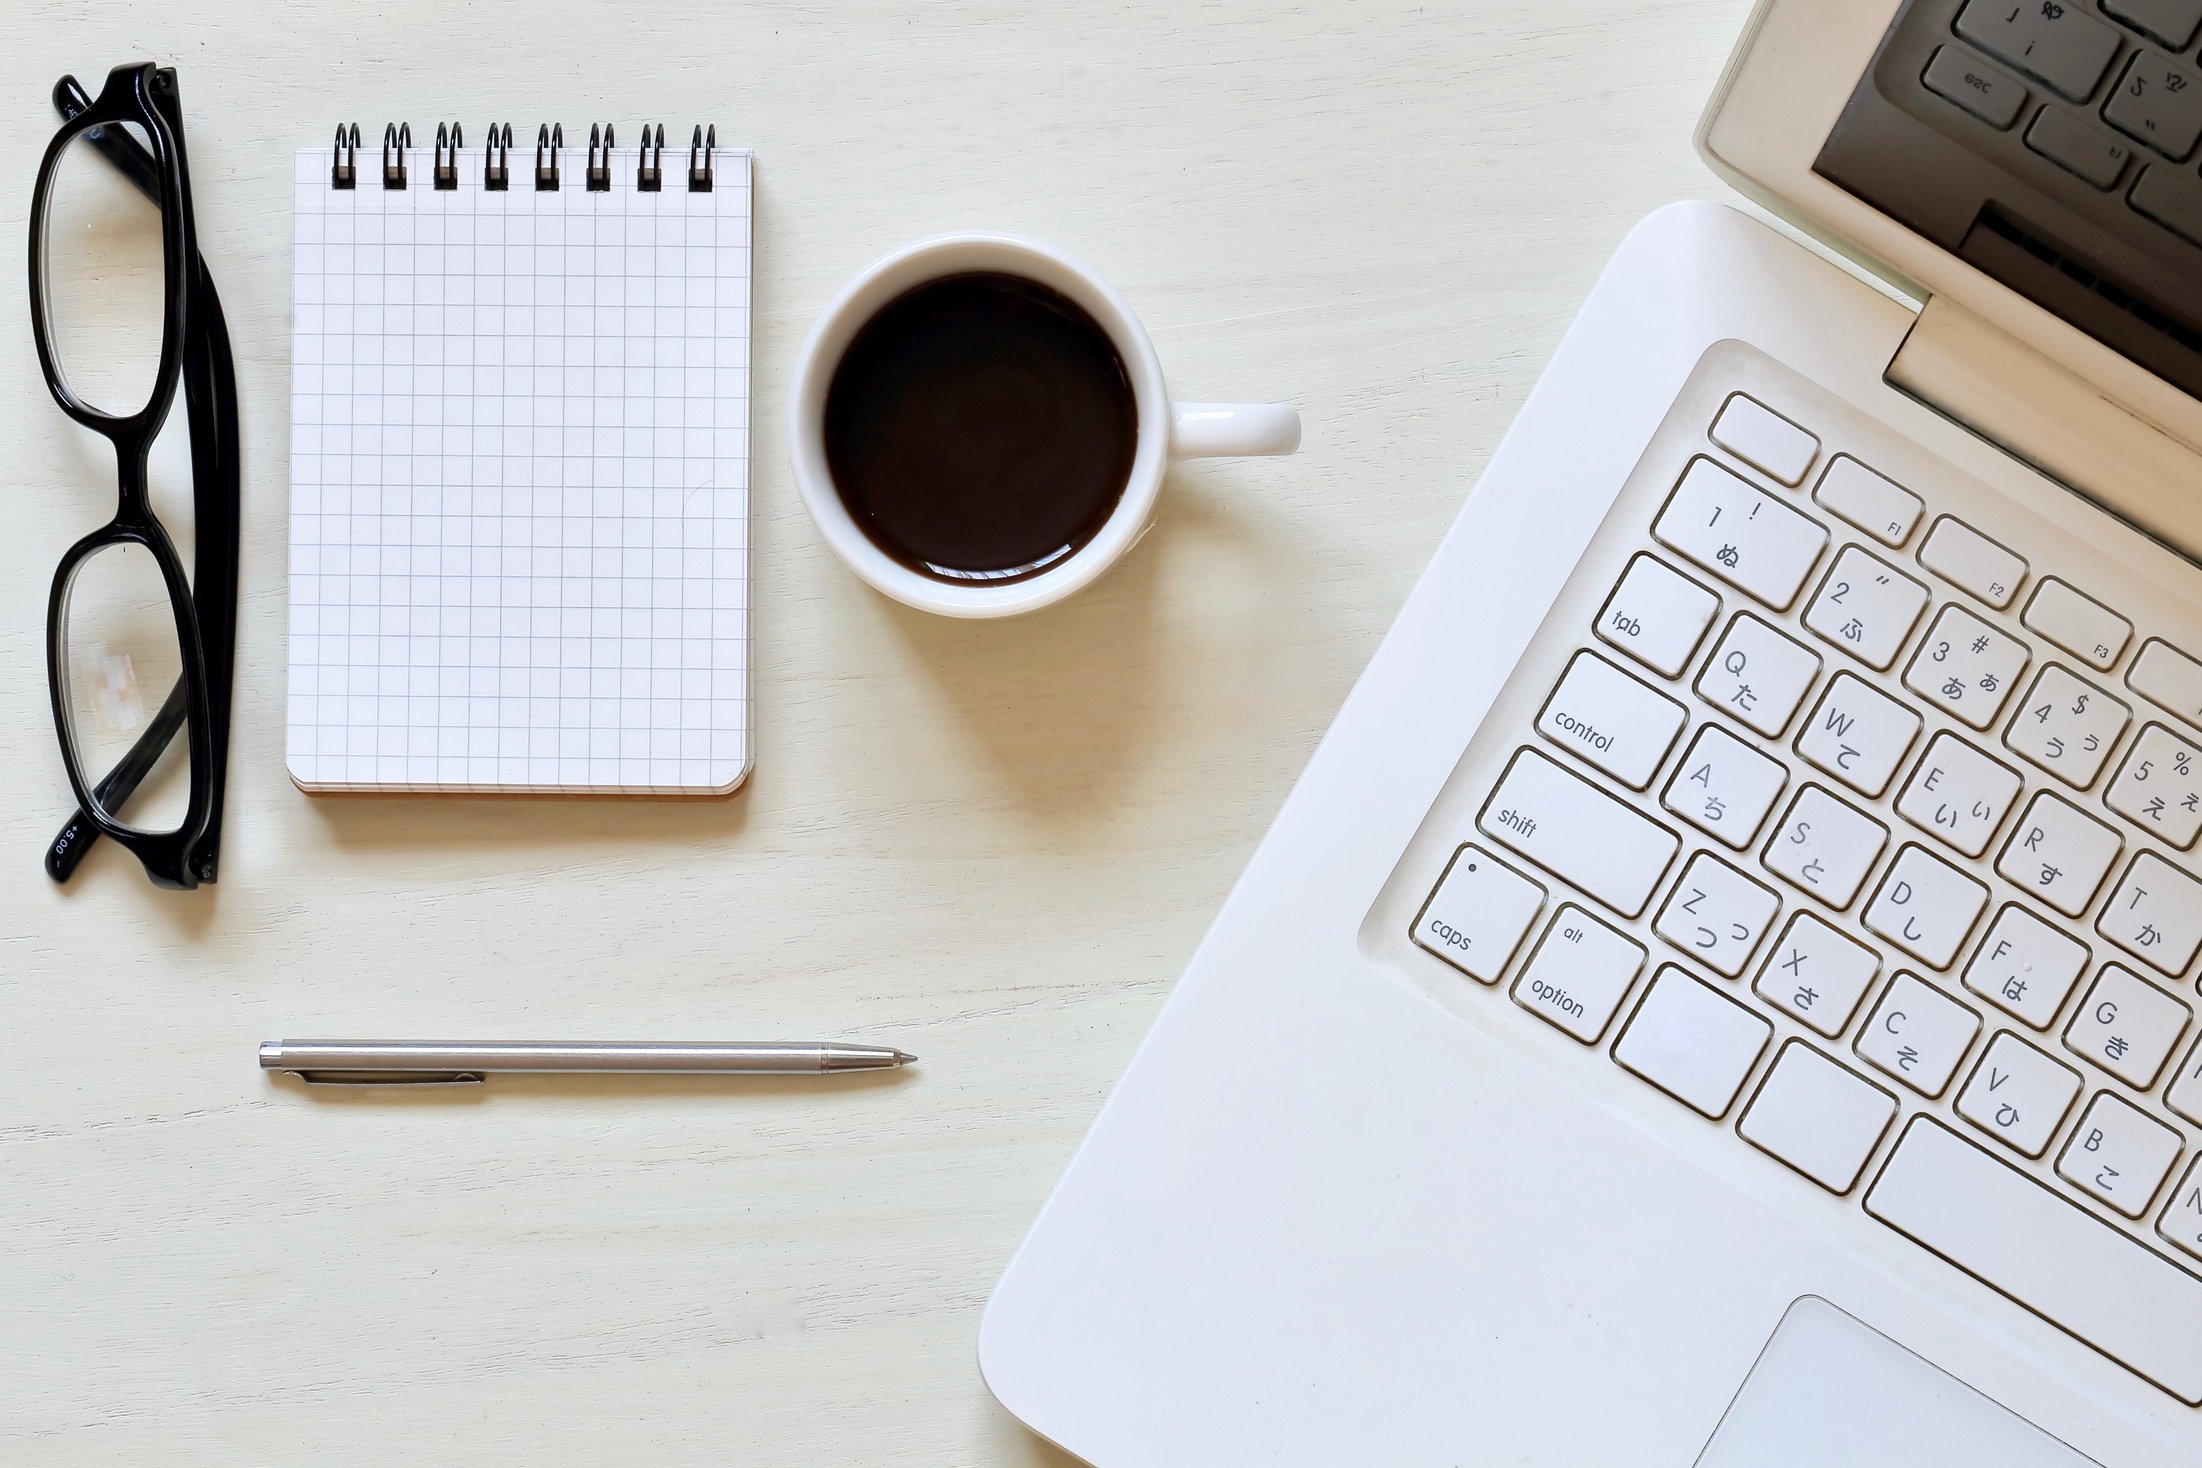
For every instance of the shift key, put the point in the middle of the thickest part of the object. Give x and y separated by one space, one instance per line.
1578 833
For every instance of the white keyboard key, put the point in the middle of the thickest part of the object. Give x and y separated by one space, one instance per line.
1579 975
2184 1095
2079 624
1757 676
1658 616
1918 1034
1741 534
1717 915
2164 673
2127 1026
1858 734
1816 976
2018 1095
2159 787
2119 1154
2060 854
1967 666
1611 720
1964 557
1478 915
1959 794
1926 906
2068 727
1764 439
1874 503
1693 1042
1819 1117
1825 848
1724 787
1867 608
2182 1220
1578 833
2156 914
2046 1252
2026 968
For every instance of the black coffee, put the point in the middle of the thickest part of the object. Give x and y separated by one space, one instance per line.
981 428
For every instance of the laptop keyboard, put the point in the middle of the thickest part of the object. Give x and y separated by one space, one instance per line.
1867 832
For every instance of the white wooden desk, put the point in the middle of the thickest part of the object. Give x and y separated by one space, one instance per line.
993 845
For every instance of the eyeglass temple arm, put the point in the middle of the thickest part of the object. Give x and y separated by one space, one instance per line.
63 854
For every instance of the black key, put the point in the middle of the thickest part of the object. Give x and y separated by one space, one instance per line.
2078 147
1993 96
2173 200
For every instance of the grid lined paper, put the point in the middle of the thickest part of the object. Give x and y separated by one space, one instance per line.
520 480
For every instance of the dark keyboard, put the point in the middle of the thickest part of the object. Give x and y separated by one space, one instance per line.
2053 143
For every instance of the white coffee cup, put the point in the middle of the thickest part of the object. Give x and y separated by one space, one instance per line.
1166 430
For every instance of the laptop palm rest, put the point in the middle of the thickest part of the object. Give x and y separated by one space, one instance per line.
1832 1392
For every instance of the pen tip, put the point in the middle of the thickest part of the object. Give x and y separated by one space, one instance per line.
903 1058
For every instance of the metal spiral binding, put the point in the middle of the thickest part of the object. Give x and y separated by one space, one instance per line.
344 160
497 159
447 158
650 167
600 162
548 139
699 177
396 138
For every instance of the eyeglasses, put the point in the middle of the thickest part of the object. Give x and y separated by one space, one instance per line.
123 312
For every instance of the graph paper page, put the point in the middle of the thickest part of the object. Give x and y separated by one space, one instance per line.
520 480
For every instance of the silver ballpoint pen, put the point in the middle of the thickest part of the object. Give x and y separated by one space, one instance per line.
401 1062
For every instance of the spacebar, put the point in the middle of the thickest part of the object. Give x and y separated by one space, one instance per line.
2053 1257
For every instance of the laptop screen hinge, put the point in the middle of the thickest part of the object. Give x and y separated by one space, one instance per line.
1990 384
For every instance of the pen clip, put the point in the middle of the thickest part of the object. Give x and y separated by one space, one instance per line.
388 1077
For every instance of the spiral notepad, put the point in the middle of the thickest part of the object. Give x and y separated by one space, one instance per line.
520 466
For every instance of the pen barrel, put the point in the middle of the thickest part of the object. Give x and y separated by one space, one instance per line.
613 1057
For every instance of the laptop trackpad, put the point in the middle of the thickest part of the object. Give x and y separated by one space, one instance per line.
1832 1392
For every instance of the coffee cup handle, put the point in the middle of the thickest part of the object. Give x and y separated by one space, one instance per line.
1217 430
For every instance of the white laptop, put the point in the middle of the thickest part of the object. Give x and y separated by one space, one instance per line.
1724 990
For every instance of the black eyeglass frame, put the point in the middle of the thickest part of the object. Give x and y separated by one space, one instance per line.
195 354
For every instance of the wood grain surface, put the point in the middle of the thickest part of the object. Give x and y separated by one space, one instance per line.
993 845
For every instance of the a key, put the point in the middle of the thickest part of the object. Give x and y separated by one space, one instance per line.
2184 1095
2171 22
1866 607
1816 975
2156 914
1993 96
2157 103
1964 557
2079 624
1873 502
2159 787
2169 196
1693 1042
2059 854
2068 727
1959 794
1478 915
1611 720
1578 833
2060 43
1858 734
1967 666
2127 1026
1918 1034
1741 534
2119 1154
2026 968
1658 616
2182 1220
2079 148
1724 787
1579 974
1717 915
1764 439
2018 1095
1926 906
2044 1251
1826 848
1821 1118
1757 676
2164 673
